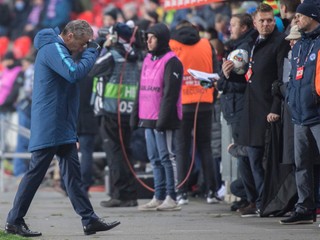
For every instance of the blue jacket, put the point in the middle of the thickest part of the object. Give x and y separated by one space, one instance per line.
301 96
55 100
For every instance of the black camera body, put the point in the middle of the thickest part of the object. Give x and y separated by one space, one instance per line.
103 32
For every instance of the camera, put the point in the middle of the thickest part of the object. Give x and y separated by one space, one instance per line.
103 32
113 37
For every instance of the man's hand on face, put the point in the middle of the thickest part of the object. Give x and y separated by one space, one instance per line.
93 44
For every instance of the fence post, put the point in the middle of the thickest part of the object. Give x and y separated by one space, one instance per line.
2 145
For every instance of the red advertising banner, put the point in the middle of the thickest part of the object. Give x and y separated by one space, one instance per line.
178 4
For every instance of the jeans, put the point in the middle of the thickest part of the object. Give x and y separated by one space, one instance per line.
203 146
86 162
21 165
304 138
160 148
70 171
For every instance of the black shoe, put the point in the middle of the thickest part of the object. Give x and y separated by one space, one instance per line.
239 204
298 218
119 203
21 229
98 226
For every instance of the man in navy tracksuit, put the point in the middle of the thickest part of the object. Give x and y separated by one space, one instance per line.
303 99
53 123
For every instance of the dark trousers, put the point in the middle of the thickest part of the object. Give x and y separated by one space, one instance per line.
121 181
70 172
86 149
306 140
237 189
203 146
255 157
247 179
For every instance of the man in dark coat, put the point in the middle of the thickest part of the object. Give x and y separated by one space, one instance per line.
260 107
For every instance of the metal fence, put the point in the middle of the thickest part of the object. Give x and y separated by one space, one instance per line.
228 164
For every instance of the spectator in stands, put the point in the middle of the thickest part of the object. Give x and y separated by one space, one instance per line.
222 27
110 17
21 165
130 11
151 16
212 35
10 83
287 12
5 18
58 13
20 16
36 13
210 11
9 86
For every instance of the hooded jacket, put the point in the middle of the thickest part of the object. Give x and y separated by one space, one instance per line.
167 117
194 53
55 100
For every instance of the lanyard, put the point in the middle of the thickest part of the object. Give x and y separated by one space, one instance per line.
259 40
309 52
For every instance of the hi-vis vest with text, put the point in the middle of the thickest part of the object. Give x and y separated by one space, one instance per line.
105 92
197 57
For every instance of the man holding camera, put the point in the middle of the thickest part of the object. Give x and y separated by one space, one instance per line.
54 113
116 76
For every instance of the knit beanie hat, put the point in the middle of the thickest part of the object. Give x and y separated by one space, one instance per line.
123 30
310 10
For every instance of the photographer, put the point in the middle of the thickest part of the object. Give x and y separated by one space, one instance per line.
117 65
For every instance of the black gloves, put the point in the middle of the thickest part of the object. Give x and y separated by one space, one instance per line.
93 44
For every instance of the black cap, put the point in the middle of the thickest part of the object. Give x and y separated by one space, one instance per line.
310 10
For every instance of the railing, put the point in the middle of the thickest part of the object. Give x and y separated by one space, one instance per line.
229 166
5 125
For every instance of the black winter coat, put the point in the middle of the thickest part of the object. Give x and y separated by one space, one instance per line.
267 67
232 97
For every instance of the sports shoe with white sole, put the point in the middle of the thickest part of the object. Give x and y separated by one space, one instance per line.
182 199
213 198
151 206
169 205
